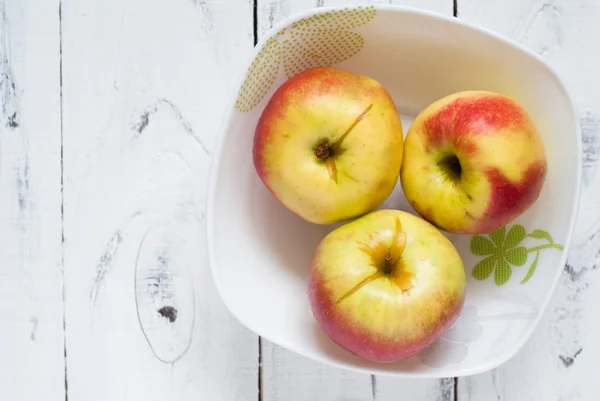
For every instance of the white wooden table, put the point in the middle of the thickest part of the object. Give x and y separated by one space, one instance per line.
109 111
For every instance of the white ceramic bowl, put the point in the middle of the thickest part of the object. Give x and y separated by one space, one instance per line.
259 251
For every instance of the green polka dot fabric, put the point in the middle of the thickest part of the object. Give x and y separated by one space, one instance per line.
319 40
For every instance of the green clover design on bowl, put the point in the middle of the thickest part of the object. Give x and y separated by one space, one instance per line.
503 250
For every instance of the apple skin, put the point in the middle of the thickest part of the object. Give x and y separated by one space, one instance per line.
502 162
386 315
357 119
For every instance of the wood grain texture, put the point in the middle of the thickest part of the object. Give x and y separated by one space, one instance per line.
145 85
558 362
270 12
288 376
31 279
391 389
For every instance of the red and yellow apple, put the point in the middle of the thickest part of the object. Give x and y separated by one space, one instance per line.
328 145
386 285
473 161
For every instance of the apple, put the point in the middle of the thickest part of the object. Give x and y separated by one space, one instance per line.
328 145
386 285
473 162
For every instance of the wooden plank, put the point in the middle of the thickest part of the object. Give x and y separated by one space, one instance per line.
270 12
31 280
288 376
558 361
391 389
146 83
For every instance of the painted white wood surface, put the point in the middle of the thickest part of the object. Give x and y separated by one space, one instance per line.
270 12
31 278
560 360
145 83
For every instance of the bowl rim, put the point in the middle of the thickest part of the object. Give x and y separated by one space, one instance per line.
214 171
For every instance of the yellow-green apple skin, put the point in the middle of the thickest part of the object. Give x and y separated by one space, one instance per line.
473 162
328 145
386 285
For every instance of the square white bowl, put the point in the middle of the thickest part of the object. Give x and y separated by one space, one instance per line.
259 251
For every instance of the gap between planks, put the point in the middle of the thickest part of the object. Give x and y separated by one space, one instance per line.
255 22
260 348
62 195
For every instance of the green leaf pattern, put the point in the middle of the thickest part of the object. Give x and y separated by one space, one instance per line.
319 40
541 234
502 252
484 268
260 77
515 236
482 246
503 272
498 236
516 256
531 269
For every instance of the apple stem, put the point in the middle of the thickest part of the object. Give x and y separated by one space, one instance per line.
388 267
362 115
323 151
